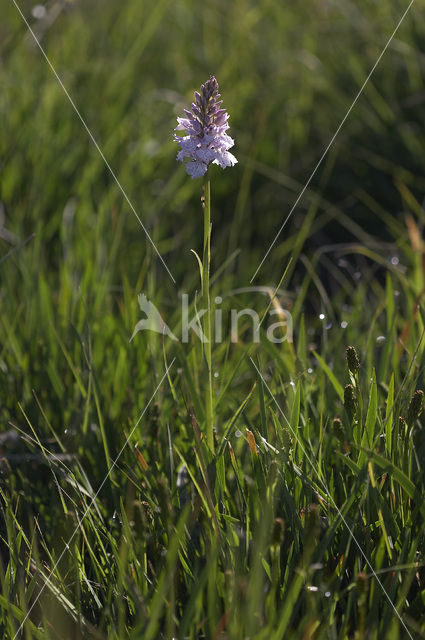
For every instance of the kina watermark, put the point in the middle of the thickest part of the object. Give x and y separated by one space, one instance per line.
244 324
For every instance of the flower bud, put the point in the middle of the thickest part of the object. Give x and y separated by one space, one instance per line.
350 400
278 532
338 429
352 360
362 582
415 407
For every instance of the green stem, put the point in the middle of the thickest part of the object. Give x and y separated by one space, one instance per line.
207 303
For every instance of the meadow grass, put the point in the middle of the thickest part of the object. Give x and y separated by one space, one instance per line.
307 521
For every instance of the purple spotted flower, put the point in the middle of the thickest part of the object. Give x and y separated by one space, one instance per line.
206 141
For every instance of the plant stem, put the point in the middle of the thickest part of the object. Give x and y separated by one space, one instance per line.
207 303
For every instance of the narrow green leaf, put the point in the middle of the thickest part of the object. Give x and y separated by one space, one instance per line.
336 385
389 294
302 342
201 268
395 473
295 412
389 416
371 412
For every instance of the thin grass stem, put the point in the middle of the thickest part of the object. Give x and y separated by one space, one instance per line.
207 302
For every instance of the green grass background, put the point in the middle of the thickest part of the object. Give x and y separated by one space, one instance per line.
253 546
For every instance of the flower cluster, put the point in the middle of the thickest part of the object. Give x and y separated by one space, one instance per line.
206 141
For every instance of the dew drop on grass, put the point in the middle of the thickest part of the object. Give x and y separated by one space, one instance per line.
344 324
380 339
328 326
38 11
309 370
395 260
322 316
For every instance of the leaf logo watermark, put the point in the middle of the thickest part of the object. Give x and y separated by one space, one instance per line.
153 320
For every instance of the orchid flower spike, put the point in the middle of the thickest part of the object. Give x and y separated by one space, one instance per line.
205 124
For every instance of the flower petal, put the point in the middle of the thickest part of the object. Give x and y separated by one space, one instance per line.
205 155
225 159
196 169
183 123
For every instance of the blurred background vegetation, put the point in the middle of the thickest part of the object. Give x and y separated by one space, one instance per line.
288 74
